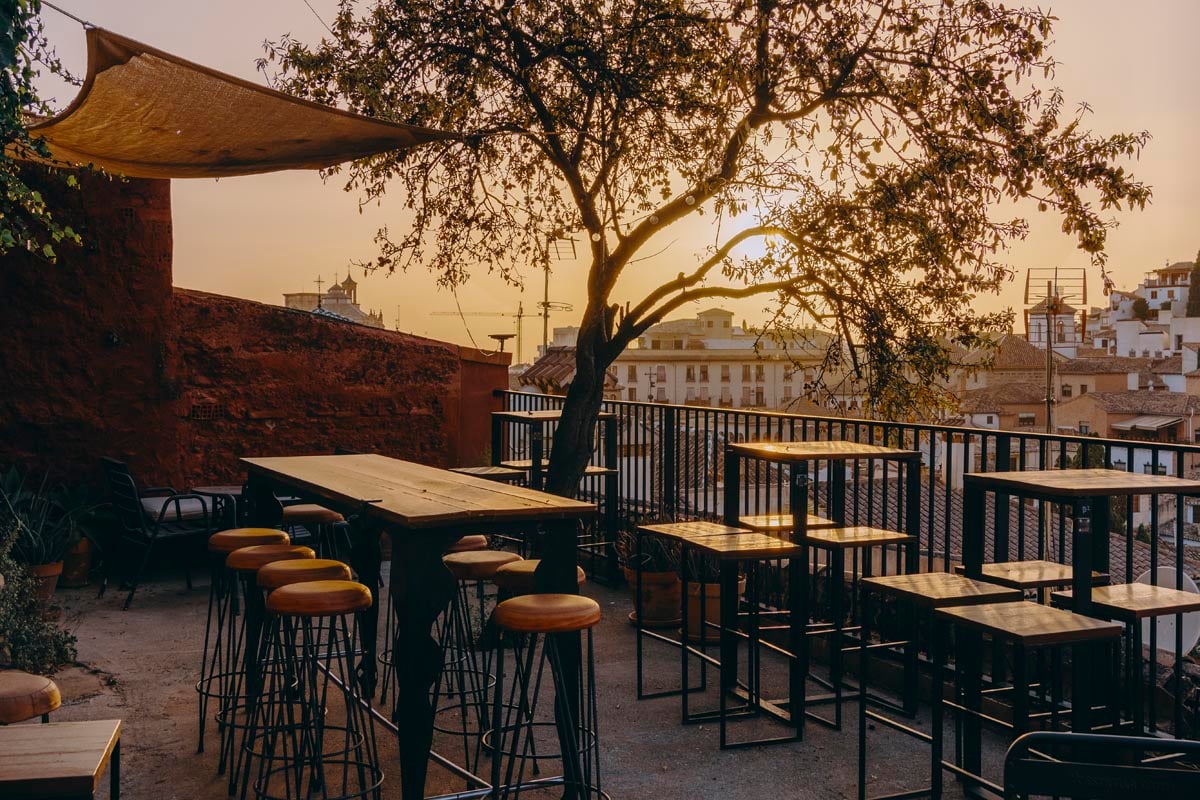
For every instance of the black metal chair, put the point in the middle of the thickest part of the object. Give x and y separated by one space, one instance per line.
1100 766
146 516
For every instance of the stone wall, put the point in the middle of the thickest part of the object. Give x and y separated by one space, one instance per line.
99 355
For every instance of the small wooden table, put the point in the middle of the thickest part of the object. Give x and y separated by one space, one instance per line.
59 759
425 510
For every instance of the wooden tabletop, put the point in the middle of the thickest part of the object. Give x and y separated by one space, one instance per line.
690 530
942 589
793 452
414 495
744 545
56 759
1053 483
856 536
526 464
1033 574
231 490
1030 624
781 522
1129 601
544 415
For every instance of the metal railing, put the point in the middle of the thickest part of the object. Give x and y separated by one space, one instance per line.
670 461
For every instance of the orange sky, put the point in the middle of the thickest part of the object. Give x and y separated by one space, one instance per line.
258 237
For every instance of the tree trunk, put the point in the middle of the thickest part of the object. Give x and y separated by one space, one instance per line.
575 436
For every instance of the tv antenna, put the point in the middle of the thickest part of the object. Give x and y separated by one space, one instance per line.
519 316
1051 293
501 338
558 245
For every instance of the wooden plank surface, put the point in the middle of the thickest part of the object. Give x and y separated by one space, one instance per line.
781 522
856 536
690 530
940 589
1050 483
526 465
543 415
744 545
414 495
1031 624
1136 600
57 759
1033 574
812 451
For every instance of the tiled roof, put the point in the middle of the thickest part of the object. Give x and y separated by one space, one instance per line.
991 398
1104 366
555 370
1142 402
1008 352
1171 365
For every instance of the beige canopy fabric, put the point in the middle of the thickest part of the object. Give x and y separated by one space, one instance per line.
144 113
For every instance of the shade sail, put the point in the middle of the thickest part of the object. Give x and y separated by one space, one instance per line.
144 113
1147 422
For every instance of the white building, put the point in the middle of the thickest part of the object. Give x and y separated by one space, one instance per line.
341 299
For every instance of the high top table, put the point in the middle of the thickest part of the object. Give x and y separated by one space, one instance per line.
798 455
425 510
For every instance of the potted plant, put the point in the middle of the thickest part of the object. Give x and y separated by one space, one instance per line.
44 521
28 640
657 563
705 571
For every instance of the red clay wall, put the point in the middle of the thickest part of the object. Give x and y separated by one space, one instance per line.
100 356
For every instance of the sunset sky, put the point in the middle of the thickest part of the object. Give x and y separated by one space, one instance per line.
1137 65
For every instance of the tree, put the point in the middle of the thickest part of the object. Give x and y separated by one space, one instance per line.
868 146
1193 303
25 220
1140 309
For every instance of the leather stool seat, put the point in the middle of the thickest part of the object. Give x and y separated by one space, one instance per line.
516 577
310 513
252 559
547 613
320 599
469 543
304 570
235 538
477 564
25 696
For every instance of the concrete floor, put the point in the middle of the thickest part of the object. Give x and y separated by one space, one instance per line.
141 665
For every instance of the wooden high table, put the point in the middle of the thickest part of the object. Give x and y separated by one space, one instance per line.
1086 492
425 510
59 759
800 454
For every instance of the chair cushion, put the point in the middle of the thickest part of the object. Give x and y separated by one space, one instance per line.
189 509
310 513
24 696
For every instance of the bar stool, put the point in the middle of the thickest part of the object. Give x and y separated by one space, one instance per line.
918 595
516 577
1131 604
323 523
24 695
220 662
466 673
270 577
296 760
524 620
243 565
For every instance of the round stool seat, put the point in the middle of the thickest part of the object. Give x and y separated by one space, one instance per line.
517 576
285 573
24 696
252 559
468 543
310 513
477 565
319 599
228 541
547 613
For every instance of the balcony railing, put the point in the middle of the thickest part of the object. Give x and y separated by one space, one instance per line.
670 460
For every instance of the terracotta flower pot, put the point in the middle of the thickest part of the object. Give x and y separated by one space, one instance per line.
77 565
712 609
660 598
45 578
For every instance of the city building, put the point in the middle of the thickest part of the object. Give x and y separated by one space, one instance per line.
341 300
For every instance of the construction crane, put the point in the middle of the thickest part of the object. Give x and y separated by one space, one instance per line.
520 317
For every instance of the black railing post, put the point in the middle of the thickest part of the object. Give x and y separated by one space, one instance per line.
670 456
1003 461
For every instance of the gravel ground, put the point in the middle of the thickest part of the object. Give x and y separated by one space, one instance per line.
141 665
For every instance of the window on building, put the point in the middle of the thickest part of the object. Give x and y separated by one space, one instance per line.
704 394
1178 341
1154 295
725 324
661 374
1170 294
655 344
1066 390
1084 427
661 394
1137 504
760 396
725 373
632 393
704 373
760 372
745 395
691 394
787 391
1026 419
708 324
990 419
679 344
745 373
631 372
1172 433
1082 389
691 374
726 395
